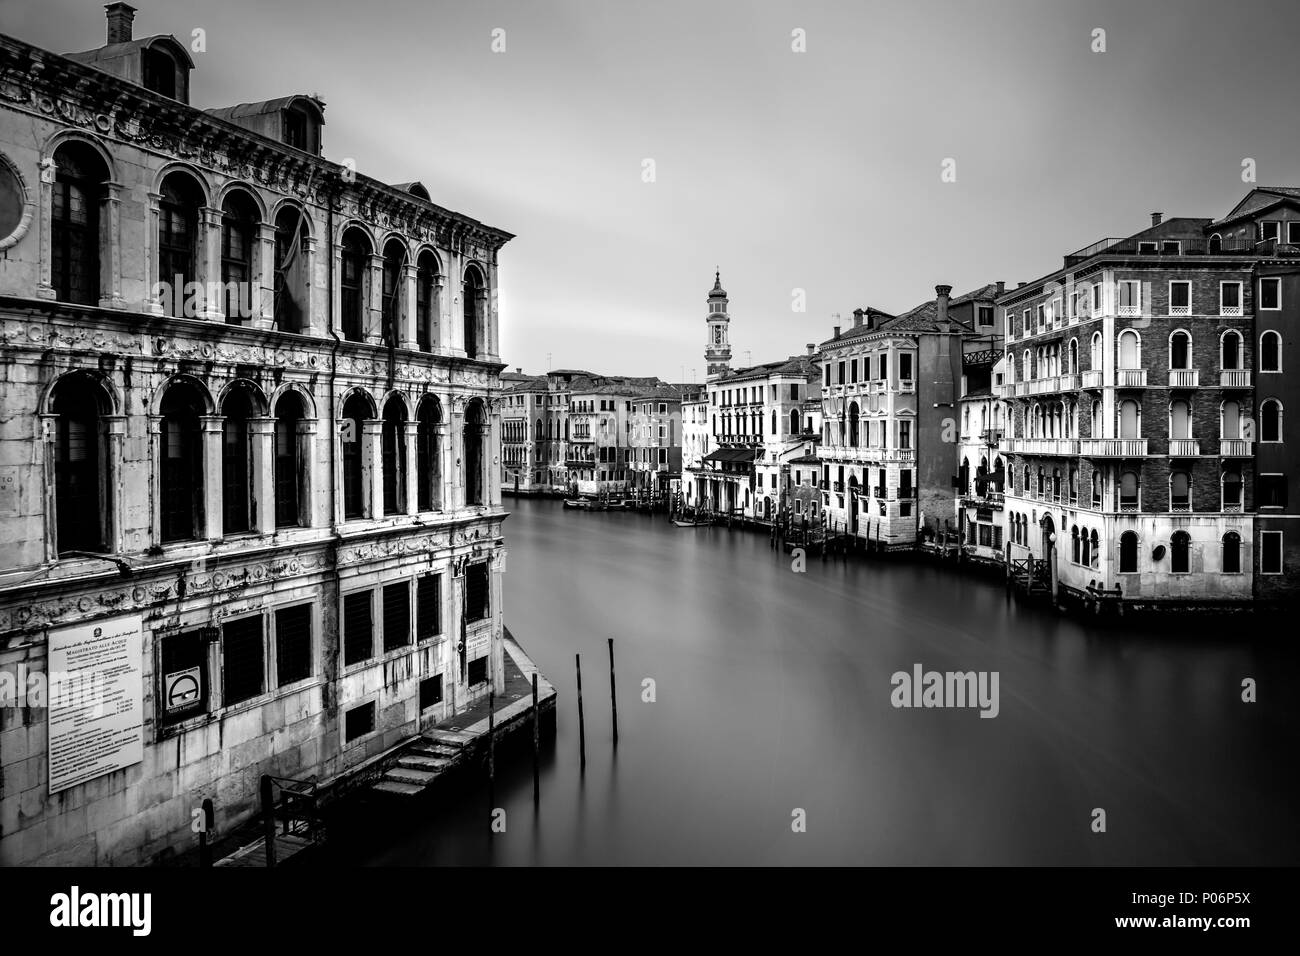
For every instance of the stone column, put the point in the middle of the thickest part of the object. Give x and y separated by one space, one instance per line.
155 480
407 336
261 432
455 483
441 486
373 320
334 294
47 433
491 445
115 482
413 477
313 320
372 457
263 278
208 267
306 437
110 248
212 436
153 302
45 277
436 315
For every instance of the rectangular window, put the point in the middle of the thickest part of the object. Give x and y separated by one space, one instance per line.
904 434
1146 248
478 671
1024 319
1040 315
397 615
884 366
430 691
359 721
905 509
1096 299
292 644
476 591
1180 298
826 374
1270 552
1229 298
428 606
854 367
1270 294
358 638
1270 491
1270 229
243 653
905 366
1293 232
985 316
1130 297
183 665
905 483
841 375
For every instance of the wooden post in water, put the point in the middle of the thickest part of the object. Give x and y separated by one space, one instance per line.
492 755
582 730
268 820
613 700
537 784
205 848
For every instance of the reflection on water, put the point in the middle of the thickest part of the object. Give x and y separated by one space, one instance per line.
773 693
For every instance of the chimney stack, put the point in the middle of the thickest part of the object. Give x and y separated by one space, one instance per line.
835 330
941 293
1002 286
1156 217
857 318
810 346
120 16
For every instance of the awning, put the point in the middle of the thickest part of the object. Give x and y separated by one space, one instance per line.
733 454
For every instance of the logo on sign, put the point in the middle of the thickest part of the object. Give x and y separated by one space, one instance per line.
182 690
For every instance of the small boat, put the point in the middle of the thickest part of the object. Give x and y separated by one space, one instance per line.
582 503
689 524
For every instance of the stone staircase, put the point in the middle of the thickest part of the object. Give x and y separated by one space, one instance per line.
423 760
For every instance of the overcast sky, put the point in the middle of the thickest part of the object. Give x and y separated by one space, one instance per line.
817 170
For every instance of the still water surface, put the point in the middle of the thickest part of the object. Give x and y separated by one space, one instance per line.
773 693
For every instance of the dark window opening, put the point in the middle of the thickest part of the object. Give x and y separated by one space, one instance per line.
80 501
74 224
182 465
178 232
236 465
352 285
428 606
355 412
238 240
292 278
359 721
289 466
430 691
397 615
394 452
183 691
293 644
242 660
1179 552
358 635
476 591
478 671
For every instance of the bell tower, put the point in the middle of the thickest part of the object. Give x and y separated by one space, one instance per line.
717 351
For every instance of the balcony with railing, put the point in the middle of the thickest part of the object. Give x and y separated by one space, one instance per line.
1184 447
1234 378
1184 377
1040 446
1069 382
1236 448
990 499
1198 246
1093 378
1113 447
1131 377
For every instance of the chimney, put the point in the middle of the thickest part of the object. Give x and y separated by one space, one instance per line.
941 293
1156 217
519 370
857 318
810 346
1020 285
835 331
1002 286
120 16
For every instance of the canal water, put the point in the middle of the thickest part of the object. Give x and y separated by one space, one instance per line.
772 703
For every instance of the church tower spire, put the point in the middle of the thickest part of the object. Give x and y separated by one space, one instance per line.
717 351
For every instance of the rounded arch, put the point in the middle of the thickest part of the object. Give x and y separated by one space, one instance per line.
64 136
110 402
244 190
396 243
248 389
191 173
302 215
303 394
426 256
28 204
1231 346
357 393
355 229
1129 349
1270 420
185 380
401 398
1216 243
475 412
474 272
430 407
1270 351
1180 349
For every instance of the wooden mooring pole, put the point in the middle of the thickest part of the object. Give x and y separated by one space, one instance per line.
613 700
582 730
537 783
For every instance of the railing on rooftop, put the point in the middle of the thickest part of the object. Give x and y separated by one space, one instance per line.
1200 246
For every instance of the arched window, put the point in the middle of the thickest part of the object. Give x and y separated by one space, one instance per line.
1231 560
1096 489
1028 367
794 421
1024 481
1231 481
1129 419
178 237
81 502
292 277
1179 552
853 424
158 71
756 420
474 300
1074 357
393 440
1085 548
236 462
1041 481
1230 351
1056 484
1074 543
475 426
1095 542
1180 350
356 411
1130 355
1230 420
292 467
239 218
1096 357
428 454
426 301
1270 352
1270 420
1180 491
1180 420
1216 244
1129 487
391 299
181 464
75 241
1128 552
352 283
537 430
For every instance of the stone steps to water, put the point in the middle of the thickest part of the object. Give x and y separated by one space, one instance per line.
397 787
